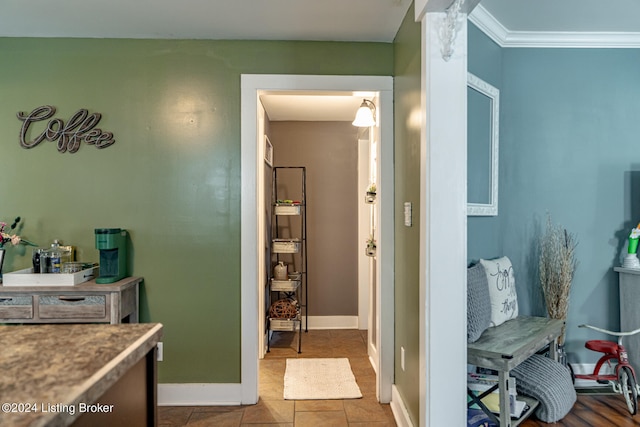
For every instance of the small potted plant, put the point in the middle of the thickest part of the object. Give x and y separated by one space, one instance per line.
371 247
371 194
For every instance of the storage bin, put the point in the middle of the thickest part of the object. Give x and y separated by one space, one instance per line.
283 324
286 246
284 285
287 209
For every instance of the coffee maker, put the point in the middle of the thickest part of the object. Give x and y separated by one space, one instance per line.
112 244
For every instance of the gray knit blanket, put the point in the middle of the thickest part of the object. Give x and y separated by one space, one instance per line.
549 382
478 302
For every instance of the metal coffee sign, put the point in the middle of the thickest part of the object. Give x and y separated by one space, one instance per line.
81 127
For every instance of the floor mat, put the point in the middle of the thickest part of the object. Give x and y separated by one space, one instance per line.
310 379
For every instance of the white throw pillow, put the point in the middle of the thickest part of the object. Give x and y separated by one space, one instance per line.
502 290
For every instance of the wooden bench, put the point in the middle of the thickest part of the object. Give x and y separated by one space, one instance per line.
504 347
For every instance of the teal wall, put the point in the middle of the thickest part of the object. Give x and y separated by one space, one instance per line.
172 178
568 147
484 61
407 90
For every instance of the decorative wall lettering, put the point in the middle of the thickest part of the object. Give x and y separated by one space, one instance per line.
79 128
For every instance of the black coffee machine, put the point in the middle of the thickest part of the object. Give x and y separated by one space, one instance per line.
112 244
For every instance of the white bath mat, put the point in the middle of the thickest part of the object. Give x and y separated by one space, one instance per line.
320 379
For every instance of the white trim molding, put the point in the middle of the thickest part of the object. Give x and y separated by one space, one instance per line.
443 229
504 37
399 409
587 368
251 85
331 322
449 28
199 394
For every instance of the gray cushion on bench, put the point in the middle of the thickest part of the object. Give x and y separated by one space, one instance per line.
549 382
478 302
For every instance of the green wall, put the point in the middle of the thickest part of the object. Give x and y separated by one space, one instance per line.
172 178
407 86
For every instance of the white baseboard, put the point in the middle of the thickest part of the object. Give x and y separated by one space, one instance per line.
587 368
399 409
331 322
206 394
199 394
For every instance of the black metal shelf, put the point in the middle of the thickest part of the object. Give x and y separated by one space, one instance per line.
289 243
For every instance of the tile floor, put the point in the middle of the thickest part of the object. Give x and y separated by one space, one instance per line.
272 410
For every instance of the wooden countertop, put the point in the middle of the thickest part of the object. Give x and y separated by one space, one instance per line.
44 367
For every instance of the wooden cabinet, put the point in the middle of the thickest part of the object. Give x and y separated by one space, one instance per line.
87 302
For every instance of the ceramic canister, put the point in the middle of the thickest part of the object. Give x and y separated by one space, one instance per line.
280 271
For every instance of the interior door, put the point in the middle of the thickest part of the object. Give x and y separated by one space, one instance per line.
264 254
374 284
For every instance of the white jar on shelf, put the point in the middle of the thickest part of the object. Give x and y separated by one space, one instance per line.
280 271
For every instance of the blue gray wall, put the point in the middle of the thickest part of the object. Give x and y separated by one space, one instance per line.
485 61
569 147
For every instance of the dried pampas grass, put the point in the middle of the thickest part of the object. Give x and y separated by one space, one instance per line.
557 265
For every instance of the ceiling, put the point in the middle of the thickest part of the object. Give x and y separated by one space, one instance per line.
326 106
329 20
339 20
566 15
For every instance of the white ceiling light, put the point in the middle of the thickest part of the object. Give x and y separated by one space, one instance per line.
365 116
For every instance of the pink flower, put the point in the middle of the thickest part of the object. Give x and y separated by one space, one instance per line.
12 238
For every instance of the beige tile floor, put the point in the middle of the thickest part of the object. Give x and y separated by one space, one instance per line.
272 410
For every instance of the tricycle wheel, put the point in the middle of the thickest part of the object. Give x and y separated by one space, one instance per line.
628 386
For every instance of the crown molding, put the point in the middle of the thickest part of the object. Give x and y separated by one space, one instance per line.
497 32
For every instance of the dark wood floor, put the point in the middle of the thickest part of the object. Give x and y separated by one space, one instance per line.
594 411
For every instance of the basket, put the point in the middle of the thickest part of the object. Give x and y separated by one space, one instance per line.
286 246
283 324
284 309
284 285
287 209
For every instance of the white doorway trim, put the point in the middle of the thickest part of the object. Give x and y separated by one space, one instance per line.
443 228
251 85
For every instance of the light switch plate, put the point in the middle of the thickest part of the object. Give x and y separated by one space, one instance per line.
407 214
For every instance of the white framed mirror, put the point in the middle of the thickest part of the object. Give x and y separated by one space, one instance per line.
483 124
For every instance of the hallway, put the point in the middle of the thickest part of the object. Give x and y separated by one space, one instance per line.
273 410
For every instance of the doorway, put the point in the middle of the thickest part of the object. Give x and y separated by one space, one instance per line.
252 207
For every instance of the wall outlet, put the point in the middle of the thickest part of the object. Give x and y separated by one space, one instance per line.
160 347
402 358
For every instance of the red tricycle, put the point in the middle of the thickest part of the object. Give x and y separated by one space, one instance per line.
623 380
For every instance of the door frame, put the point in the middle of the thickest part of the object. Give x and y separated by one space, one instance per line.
251 85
